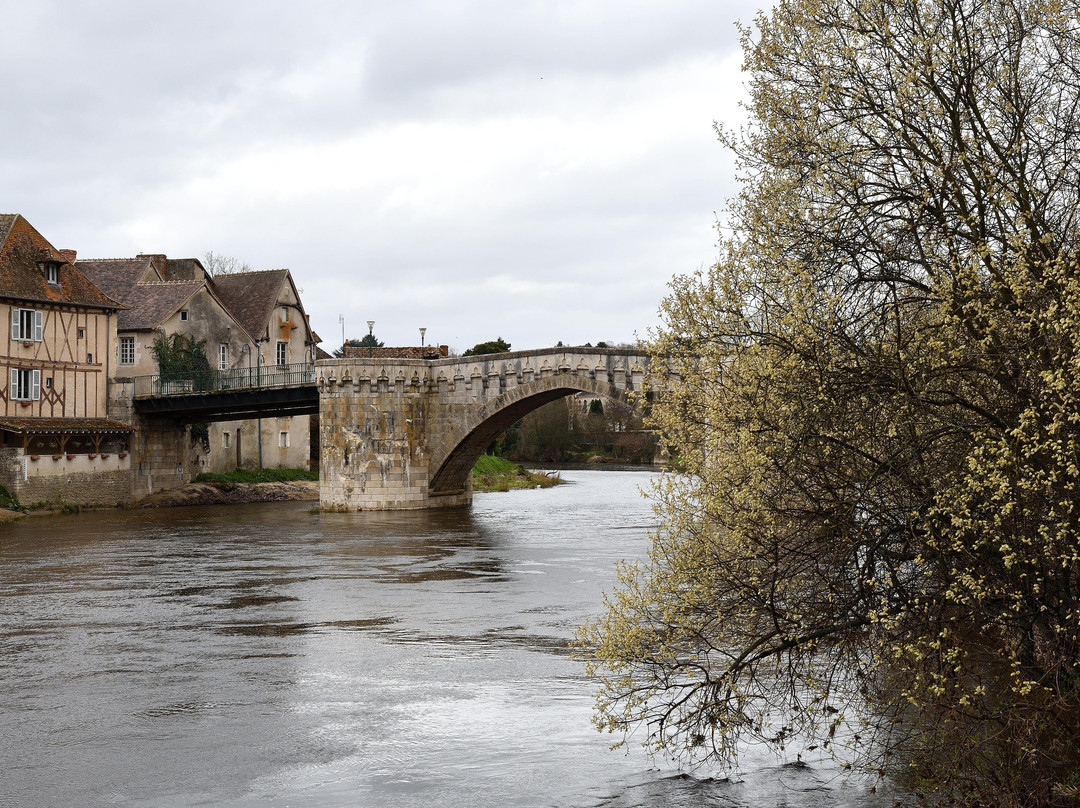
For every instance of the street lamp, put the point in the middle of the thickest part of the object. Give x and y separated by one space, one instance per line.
422 332
371 339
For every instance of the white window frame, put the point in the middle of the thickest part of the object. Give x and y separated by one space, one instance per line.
127 350
283 440
24 385
27 325
223 356
282 354
225 439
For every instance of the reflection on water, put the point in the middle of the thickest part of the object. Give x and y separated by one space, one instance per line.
264 655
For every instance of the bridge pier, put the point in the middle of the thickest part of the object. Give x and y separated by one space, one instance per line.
404 433
373 446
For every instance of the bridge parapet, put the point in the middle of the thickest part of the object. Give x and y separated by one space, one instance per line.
404 433
471 377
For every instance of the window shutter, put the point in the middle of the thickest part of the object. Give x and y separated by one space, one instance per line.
16 332
39 322
35 385
13 384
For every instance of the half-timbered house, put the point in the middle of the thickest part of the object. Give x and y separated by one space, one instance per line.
57 442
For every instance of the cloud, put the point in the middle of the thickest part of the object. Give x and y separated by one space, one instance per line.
537 171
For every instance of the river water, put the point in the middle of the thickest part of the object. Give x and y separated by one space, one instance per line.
265 655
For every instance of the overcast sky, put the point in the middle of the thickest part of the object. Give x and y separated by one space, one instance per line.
531 170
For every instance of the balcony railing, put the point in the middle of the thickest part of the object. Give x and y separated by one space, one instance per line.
215 381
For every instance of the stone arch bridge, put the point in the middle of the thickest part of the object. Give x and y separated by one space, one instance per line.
405 433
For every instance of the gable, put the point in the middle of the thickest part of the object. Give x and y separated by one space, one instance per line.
251 297
22 250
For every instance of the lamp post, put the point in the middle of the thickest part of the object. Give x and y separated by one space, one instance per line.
371 339
422 332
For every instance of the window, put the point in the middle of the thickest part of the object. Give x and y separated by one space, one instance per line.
25 385
27 325
223 357
89 359
51 271
48 382
127 350
183 315
283 353
82 333
283 440
225 440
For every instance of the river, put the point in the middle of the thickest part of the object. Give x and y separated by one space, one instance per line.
266 655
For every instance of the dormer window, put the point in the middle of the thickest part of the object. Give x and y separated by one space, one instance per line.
51 271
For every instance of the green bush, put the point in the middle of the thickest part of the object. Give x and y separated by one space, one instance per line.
258 476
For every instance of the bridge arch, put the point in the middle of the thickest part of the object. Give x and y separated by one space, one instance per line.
453 461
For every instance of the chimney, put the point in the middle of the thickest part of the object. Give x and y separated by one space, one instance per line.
157 260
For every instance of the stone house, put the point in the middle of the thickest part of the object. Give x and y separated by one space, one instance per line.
156 303
57 441
234 317
268 307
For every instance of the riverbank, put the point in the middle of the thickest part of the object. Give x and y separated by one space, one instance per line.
496 474
229 493
241 487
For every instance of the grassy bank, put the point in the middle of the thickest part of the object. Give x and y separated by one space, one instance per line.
495 474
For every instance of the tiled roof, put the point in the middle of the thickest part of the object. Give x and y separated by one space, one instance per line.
150 304
116 277
250 297
405 352
40 425
21 248
6 221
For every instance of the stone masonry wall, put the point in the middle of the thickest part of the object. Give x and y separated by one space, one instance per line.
161 453
163 457
389 425
80 480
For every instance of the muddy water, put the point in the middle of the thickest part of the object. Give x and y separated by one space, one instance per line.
262 655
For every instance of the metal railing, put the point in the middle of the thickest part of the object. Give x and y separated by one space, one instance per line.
216 381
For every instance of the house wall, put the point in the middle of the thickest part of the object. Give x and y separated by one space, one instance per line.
206 321
74 369
223 455
288 325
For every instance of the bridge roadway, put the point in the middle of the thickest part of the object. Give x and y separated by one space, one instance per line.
403 433
232 395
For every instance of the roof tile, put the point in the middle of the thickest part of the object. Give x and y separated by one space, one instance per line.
21 248
251 296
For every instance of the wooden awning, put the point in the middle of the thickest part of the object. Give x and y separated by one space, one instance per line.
65 426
